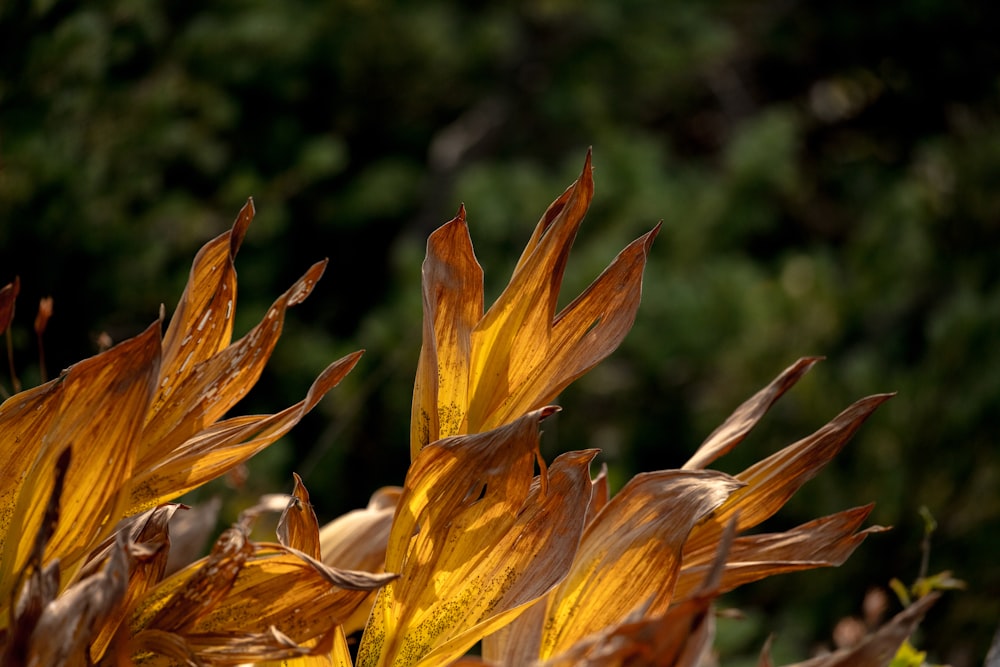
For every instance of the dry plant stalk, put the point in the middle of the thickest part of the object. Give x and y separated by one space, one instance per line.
543 569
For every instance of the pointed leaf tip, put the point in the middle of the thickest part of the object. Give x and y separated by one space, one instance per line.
304 287
588 168
240 226
548 411
651 235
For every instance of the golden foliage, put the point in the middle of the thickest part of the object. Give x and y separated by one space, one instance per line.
484 542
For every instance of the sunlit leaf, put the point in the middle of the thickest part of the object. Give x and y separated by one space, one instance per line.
219 447
39 581
772 481
453 303
200 328
630 555
479 371
298 527
96 407
247 597
476 538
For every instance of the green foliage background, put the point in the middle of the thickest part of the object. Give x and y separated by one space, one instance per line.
826 173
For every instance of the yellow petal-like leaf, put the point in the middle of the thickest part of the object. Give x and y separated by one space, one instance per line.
630 555
479 371
221 446
41 583
475 539
681 637
201 326
582 335
521 356
203 388
96 407
298 527
512 337
452 282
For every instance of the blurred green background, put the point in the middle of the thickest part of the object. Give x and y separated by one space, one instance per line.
826 173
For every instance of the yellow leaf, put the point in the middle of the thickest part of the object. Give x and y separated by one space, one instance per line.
219 447
453 303
479 371
630 555
298 527
475 540
245 600
38 584
96 407
200 328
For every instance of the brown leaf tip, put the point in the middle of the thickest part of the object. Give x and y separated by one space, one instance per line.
240 226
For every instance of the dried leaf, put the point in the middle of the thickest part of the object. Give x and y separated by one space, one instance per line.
772 481
298 527
630 555
8 297
149 544
190 532
202 324
219 447
452 285
233 603
70 623
739 424
878 649
681 637
479 371
97 407
475 540
824 542
203 384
